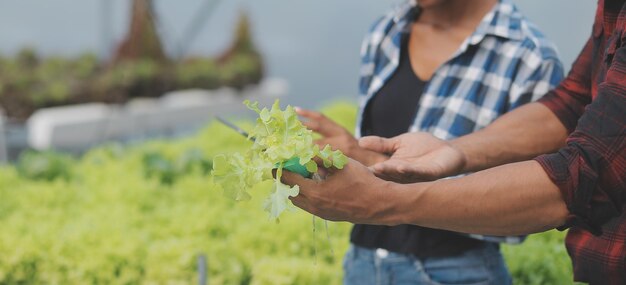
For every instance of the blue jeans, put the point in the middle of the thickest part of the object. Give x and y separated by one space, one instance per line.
481 266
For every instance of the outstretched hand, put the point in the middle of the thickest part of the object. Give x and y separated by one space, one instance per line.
337 137
352 194
415 157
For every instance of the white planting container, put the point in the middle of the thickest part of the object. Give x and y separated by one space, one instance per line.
68 126
82 126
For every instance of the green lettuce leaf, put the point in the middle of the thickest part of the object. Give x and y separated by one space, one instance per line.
278 135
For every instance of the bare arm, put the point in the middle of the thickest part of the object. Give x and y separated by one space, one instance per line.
533 129
507 200
519 135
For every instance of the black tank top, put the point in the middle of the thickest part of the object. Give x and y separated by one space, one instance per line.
390 113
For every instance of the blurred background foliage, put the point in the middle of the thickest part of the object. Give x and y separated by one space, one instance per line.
139 68
28 82
143 214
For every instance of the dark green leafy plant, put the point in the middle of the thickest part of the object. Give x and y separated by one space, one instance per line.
193 160
47 166
167 171
157 166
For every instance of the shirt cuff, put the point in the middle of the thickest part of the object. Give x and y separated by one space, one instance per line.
557 166
563 111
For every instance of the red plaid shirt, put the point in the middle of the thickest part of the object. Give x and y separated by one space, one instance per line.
591 169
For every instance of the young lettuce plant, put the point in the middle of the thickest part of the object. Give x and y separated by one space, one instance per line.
280 141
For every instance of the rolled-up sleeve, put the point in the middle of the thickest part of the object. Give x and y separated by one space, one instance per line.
590 170
569 99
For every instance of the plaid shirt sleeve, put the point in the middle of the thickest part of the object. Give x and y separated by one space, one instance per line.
590 170
569 99
536 81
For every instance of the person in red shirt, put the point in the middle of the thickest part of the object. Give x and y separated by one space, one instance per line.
557 163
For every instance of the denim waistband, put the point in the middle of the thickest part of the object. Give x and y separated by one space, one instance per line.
380 253
369 253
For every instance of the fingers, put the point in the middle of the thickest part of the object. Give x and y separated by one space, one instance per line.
312 125
319 123
306 186
398 171
321 170
378 144
291 179
301 201
388 168
392 169
312 115
321 143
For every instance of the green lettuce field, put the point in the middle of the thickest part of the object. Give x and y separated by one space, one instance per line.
143 214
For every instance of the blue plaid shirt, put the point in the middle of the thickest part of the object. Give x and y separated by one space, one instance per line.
504 64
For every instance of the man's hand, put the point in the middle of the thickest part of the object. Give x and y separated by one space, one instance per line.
415 157
352 194
338 137
512 199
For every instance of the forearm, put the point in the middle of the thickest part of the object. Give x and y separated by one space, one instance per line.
519 135
508 200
